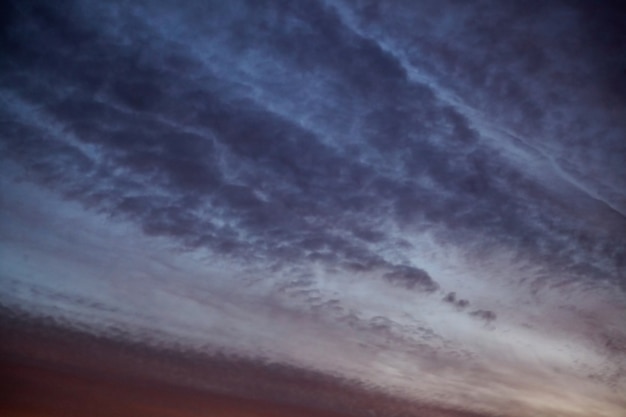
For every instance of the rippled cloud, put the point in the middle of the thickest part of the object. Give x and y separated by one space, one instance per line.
410 182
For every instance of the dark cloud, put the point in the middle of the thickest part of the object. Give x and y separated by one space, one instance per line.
450 297
460 303
411 278
339 138
603 32
486 315
287 130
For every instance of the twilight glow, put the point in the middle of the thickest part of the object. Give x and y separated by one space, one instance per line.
313 208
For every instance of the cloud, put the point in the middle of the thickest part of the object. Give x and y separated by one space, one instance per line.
342 151
160 135
411 278
451 299
486 315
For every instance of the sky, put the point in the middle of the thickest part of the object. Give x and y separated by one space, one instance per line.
324 208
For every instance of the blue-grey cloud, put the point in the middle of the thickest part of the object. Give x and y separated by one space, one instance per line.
411 278
332 133
159 114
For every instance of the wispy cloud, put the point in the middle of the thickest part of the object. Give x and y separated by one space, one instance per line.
423 177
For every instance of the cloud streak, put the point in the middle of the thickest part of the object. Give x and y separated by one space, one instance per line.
396 182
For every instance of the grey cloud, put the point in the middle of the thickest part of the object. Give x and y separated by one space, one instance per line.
551 47
411 278
215 154
458 303
292 133
450 297
486 315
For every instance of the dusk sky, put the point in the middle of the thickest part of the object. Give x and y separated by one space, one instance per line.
313 208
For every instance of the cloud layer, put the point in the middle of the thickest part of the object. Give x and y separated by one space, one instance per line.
408 182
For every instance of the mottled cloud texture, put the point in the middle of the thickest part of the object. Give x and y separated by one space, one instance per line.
422 201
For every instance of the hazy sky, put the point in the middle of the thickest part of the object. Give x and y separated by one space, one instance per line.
418 200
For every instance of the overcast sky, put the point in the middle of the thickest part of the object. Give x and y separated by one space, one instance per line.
424 198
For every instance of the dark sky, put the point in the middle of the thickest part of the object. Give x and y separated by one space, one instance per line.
419 200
